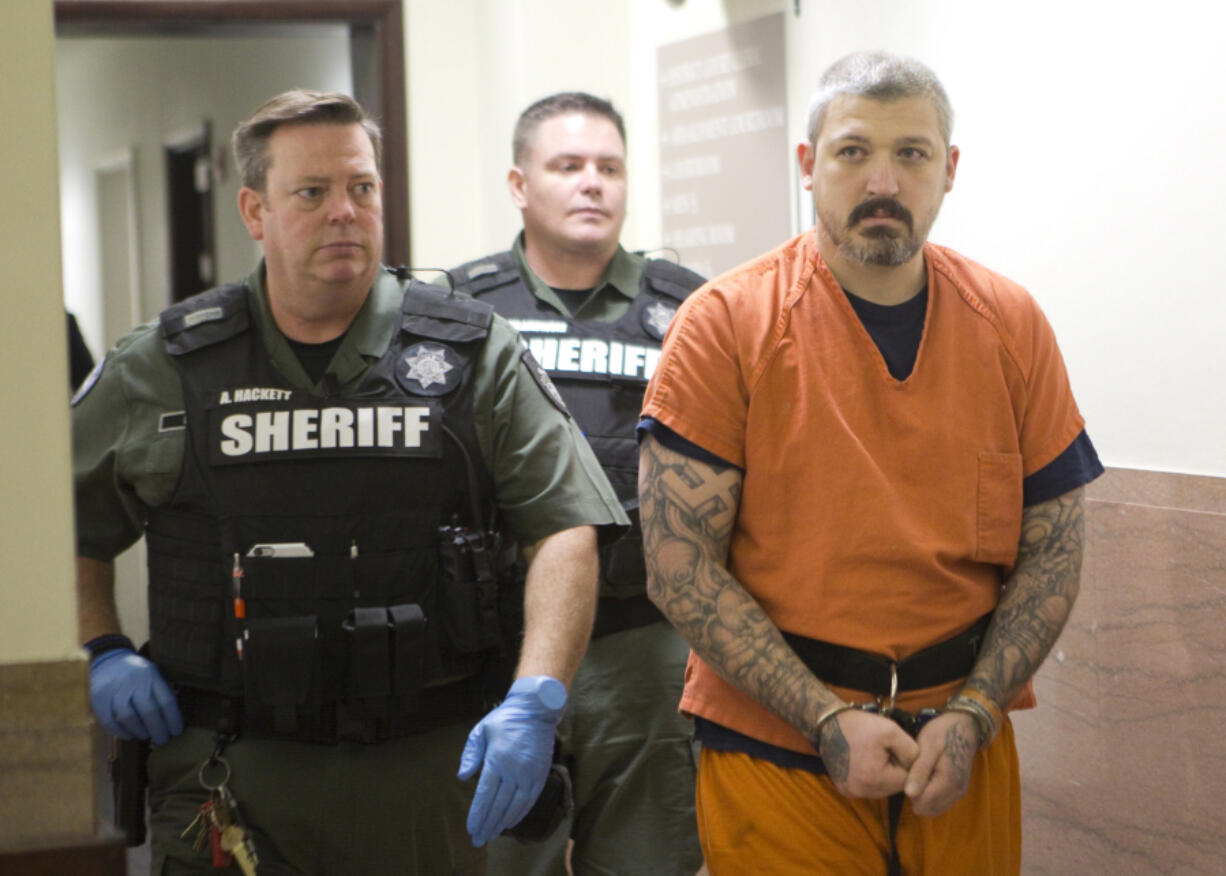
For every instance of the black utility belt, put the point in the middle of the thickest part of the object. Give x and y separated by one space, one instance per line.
331 723
851 668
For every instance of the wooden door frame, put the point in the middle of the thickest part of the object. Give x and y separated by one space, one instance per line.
385 17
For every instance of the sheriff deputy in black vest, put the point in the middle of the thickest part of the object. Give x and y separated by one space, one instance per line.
593 316
332 466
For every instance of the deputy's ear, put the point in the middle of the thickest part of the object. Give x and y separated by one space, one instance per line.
251 209
516 183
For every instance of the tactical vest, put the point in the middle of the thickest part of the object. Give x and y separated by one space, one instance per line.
601 369
324 558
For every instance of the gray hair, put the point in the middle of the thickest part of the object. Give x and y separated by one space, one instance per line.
880 76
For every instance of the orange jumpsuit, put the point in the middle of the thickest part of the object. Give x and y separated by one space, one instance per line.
875 513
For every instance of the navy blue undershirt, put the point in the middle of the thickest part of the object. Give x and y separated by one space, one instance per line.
897 331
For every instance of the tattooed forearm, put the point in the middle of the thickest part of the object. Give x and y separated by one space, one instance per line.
688 509
1038 597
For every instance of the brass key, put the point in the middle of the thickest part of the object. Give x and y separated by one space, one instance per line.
201 823
235 838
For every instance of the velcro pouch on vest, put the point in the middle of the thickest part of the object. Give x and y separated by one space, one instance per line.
408 652
278 665
370 664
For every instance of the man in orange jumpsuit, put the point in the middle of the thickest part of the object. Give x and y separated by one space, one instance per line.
861 489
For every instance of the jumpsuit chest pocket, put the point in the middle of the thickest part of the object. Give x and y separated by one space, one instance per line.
998 507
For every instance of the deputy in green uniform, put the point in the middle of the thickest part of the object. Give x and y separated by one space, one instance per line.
594 316
330 466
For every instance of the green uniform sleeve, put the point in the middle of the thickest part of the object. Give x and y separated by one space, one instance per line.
546 478
126 453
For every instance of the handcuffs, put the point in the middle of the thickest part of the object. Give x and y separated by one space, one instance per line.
979 707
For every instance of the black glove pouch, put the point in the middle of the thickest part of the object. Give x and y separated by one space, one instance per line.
279 657
468 589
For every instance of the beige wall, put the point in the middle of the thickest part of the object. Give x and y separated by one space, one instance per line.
37 621
46 754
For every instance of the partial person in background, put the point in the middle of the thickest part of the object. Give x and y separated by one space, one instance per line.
861 483
328 465
80 360
593 315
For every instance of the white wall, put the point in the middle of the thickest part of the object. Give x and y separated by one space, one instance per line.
1090 168
134 93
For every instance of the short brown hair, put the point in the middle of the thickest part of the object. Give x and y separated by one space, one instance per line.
296 107
556 105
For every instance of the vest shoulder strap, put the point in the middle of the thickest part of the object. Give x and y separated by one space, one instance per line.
669 278
482 275
205 319
433 312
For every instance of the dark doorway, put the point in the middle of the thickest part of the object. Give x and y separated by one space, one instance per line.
189 219
377 35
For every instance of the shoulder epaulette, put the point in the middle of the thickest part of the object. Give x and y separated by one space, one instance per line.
482 275
433 312
669 278
205 319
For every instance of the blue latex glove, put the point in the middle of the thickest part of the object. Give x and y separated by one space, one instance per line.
512 746
131 698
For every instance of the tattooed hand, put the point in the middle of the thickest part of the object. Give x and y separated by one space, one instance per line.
866 755
941 774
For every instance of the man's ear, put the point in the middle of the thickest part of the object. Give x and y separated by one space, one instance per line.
251 209
516 183
805 156
951 167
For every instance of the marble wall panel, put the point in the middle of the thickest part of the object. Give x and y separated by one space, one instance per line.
46 755
1124 762
1160 490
